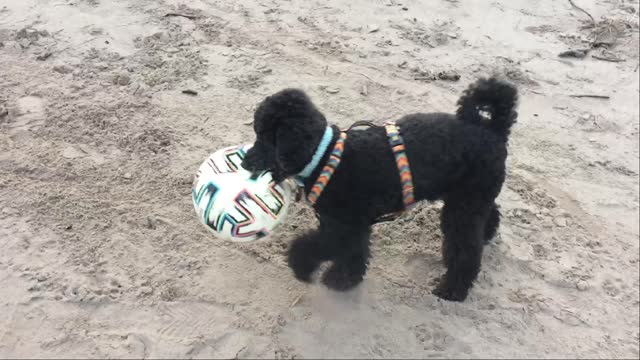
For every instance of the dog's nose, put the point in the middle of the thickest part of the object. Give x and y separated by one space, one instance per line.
246 165
250 161
251 166
255 174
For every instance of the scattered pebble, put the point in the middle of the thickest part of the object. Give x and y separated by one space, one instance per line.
145 291
63 69
81 293
582 285
449 75
151 223
71 152
562 222
577 53
373 28
24 43
127 176
364 91
332 90
31 34
190 92
96 31
593 244
44 56
122 79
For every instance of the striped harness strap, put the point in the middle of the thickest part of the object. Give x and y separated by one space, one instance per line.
397 145
328 169
402 162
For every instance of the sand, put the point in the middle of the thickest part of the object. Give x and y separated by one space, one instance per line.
102 255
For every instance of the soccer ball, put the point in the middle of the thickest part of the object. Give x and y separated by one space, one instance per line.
231 204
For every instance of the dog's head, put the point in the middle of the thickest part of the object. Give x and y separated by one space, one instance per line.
288 129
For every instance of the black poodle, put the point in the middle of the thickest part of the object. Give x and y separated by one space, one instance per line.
459 159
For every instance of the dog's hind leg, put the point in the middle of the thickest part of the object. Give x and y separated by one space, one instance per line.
493 222
351 259
463 225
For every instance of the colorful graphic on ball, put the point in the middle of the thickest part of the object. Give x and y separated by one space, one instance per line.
234 206
228 159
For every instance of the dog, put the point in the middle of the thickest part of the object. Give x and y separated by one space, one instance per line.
457 158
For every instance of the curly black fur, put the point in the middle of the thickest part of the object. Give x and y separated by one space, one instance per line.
459 159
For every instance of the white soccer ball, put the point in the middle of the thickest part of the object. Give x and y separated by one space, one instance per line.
231 204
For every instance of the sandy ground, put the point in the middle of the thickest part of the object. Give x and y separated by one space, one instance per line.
102 255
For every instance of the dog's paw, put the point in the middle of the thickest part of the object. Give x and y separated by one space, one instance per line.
450 293
302 266
339 278
302 271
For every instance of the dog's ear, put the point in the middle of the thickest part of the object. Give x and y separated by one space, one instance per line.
299 127
294 147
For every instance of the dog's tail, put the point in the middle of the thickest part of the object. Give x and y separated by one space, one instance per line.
490 103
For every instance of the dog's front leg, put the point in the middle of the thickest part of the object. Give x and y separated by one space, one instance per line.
350 258
307 252
345 243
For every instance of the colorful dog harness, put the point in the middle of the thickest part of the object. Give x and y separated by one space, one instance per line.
406 180
402 162
328 169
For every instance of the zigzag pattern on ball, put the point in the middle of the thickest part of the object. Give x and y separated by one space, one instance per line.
237 224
